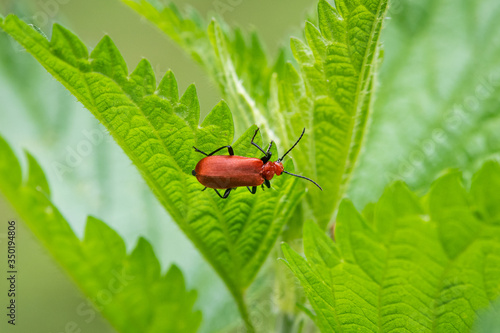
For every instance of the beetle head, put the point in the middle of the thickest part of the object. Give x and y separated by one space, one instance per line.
270 169
278 168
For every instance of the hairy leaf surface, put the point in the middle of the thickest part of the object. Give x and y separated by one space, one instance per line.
331 94
410 265
129 289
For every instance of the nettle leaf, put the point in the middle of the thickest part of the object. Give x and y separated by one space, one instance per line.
437 106
332 95
129 289
157 131
236 62
412 267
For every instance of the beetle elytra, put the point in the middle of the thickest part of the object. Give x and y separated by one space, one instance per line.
231 171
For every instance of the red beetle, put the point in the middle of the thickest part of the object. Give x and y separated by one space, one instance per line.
230 172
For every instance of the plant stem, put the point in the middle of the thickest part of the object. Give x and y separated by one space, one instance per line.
242 307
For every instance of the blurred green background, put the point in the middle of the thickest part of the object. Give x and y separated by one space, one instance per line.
437 107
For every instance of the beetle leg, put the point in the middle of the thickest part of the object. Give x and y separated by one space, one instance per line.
204 189
253 190
226 194
199 151
229 150
268 183
262 185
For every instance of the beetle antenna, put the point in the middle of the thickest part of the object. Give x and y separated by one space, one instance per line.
312 181
282 157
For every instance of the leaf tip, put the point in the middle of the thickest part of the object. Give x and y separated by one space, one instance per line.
295 43
36 176
93 227
168 87
324 5
174 273
94 222
105 41
142 243
8 18
190 96
286 248
223 104
346 203
175 269
309 25
490 166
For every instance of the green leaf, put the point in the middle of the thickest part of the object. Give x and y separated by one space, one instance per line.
129 289
234 235
36 177
333 96
449 204
9 162
189 107
484 190
322 251
425 268
168 87
438 99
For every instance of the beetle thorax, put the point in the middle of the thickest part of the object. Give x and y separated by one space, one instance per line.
270 169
